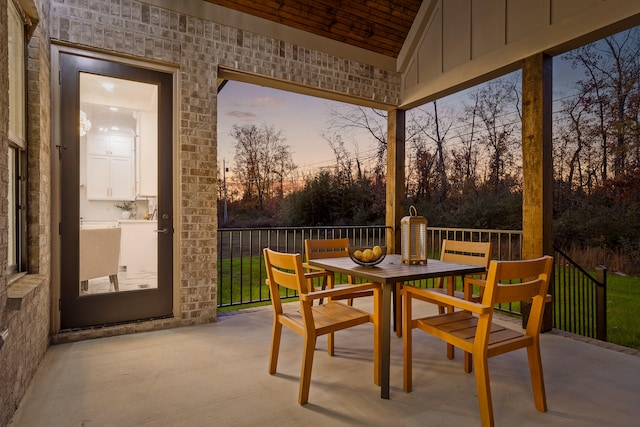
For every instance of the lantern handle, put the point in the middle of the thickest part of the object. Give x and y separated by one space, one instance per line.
413 211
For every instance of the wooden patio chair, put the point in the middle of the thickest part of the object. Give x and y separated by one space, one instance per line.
309 321
330 248
473 253
474 331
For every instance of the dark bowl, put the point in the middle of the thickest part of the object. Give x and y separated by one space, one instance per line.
368 262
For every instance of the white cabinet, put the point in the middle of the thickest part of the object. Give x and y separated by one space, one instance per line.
139 246
110 168
148 154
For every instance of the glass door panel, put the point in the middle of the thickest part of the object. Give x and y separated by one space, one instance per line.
118 185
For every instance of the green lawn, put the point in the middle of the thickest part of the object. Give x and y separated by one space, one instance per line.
623 297
252 274
623 314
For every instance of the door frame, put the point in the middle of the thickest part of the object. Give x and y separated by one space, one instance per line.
56 267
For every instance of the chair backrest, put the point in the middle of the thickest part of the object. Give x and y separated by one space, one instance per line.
472 253
284 269
326 248
509 281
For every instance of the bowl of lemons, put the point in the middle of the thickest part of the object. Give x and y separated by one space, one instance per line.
367 256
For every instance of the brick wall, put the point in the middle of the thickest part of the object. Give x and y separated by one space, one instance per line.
7 406
4 147
39 155
28 324
198 47
25 347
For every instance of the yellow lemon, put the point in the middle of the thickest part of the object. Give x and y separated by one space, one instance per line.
377 251
358 255
367 255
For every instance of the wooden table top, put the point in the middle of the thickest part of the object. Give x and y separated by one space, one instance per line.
392 269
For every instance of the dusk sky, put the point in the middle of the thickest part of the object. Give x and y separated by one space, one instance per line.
302 119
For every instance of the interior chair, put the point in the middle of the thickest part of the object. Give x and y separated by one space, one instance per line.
99 255
472 253
286 270
330 248
473 328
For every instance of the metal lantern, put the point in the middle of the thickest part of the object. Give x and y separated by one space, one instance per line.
414 238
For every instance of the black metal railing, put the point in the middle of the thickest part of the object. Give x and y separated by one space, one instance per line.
579 298
505 245
241 269
241 272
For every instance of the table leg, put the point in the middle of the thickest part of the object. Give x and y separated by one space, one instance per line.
385 345
451 287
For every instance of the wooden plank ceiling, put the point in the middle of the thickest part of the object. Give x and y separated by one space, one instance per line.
379 26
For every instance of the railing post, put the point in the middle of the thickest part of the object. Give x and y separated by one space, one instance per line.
601 303
547 317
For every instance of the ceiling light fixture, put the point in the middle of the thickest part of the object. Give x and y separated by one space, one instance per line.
108 86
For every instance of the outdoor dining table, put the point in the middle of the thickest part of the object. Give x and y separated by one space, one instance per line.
389 272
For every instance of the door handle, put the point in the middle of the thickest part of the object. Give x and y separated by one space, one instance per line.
164 230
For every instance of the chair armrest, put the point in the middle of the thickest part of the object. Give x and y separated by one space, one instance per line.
316 274
310 267
443 299
475 281
468 284
342 290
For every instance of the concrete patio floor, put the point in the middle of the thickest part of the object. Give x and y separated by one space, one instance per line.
216 374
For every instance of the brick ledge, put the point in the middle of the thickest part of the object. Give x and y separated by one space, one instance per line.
23 289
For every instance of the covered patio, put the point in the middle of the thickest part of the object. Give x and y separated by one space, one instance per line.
216 374
213 370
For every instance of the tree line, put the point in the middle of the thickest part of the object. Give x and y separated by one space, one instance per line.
464 159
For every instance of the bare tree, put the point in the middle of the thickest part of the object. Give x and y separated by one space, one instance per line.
344 160
261 159
494 102
465 162
611 74
348 119
436 127
425 161
574 143
634 140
